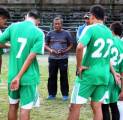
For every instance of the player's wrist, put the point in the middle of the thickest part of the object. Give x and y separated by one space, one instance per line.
78 70
51 50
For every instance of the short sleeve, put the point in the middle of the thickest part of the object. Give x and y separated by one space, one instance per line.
38 46
86 36
69 37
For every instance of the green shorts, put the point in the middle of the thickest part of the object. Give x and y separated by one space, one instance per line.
27 96
113 91
82 92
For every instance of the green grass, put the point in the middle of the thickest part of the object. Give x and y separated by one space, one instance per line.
49 110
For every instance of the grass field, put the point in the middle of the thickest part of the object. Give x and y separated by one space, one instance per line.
49 110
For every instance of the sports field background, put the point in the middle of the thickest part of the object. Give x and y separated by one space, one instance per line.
49 110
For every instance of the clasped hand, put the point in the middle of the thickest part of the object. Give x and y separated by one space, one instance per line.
58 52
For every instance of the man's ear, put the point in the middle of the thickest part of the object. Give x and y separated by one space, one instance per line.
93 17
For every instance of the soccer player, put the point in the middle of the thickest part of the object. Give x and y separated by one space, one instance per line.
26 40
113 87
4 15
94 69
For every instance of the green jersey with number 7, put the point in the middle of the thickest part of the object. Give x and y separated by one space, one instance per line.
98 39
24 38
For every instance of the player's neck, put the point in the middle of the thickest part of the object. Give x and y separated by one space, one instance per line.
31 20
97 21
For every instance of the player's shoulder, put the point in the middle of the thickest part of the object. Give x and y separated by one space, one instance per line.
14 24
93 26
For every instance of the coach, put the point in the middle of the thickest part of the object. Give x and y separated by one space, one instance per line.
58 43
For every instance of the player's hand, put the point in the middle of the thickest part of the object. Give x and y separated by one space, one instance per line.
15 84
52 51
121 96
117 78
61 51
80 69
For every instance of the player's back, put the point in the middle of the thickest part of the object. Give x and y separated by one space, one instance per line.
97 56
99 45
24 36
117 54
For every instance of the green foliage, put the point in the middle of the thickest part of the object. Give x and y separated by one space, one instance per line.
49 109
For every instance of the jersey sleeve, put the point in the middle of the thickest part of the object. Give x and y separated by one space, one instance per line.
39 44
5 36
86 36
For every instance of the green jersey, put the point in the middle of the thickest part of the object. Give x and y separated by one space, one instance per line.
98 40
117 54
25 38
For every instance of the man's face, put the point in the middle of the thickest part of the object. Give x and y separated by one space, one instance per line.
3 21
87 20
91 20
38 22
57 25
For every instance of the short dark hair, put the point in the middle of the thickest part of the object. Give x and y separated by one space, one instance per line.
4 12
58 18
116 27
98 11
34 13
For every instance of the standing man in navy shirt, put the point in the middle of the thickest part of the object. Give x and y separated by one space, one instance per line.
58 43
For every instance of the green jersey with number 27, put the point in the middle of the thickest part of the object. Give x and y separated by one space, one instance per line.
98 40
117 54
25 38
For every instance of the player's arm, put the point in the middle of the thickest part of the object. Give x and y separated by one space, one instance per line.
69 47
52 51
121 73
5 37
121 93
83 41
115 74
70 42
47 42
79 55
16 80
6 45
38 48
